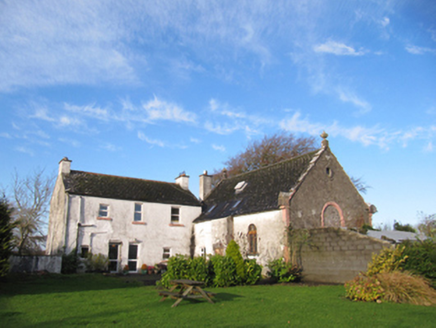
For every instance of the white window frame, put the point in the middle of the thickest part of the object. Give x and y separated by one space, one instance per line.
103 211
133 259
175 218
135 212
166 253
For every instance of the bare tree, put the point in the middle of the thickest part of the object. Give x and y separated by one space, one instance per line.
360 184
270 150
31 197
427 224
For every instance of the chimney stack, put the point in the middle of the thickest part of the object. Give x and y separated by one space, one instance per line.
183 181
64 166
205 185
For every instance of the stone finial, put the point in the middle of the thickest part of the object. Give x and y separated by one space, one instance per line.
324 141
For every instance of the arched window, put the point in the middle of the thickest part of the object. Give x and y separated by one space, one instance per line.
252 240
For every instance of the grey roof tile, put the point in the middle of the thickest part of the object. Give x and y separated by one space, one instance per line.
115 187
261 192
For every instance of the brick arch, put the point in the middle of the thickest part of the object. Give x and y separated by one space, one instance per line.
337 207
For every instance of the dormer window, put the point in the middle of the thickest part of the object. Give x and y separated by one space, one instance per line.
240 186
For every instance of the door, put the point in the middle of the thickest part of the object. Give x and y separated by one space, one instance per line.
114 251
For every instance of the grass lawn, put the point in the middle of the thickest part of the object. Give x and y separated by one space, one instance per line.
100 301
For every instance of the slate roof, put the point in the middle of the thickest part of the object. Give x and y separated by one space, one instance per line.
261 192
396 236
115 187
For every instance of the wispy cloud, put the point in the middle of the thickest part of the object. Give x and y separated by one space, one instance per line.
367 136
158 109
153 142
337 48
219 147
415 50
350 97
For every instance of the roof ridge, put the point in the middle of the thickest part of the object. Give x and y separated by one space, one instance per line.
122 177
274 164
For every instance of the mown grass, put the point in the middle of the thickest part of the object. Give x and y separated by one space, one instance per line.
99 301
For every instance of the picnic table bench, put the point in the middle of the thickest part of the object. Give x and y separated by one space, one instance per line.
186 289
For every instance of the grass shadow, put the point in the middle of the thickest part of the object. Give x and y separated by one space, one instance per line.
22 284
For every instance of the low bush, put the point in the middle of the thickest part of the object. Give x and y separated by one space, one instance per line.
254 272
97 262
219 271
388 260
364 288
281 271
70 262
224 269
405 287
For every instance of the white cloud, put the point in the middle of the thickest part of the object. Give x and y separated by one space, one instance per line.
61 43
110 147
153 142
219 147
25 150
161 110
348 96
385 21
429 148
89 110
337 48
218 128
5 135
415 50
366 136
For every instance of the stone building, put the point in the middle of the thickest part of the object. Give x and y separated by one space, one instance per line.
137 221
257 208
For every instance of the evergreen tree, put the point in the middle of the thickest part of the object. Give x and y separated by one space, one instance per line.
6 227
232 251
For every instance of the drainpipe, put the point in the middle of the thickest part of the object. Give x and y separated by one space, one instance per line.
67 214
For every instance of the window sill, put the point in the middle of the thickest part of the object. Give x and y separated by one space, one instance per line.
139 222
176 225
104 218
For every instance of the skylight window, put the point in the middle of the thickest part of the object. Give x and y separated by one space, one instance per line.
237 203
240 186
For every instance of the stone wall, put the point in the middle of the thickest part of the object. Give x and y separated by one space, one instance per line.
336 255
29 264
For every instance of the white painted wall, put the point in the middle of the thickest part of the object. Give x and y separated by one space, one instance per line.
270 233
152 234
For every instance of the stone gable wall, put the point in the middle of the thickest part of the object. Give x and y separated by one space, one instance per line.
327 183
337 255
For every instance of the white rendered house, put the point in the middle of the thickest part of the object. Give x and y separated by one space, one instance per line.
132 221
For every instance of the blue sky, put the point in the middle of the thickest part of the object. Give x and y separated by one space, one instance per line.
149 89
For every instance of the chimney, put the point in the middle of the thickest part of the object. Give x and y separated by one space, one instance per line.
183 181
65 166
205 185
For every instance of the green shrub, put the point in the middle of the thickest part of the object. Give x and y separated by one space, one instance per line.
178 268
224 269
364 288
199 270
388 260
232 250
97 262
421 258
70 262
253 273
284 272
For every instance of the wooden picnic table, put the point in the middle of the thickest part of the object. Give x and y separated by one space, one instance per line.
185 289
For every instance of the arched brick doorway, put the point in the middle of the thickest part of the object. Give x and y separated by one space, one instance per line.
331 216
